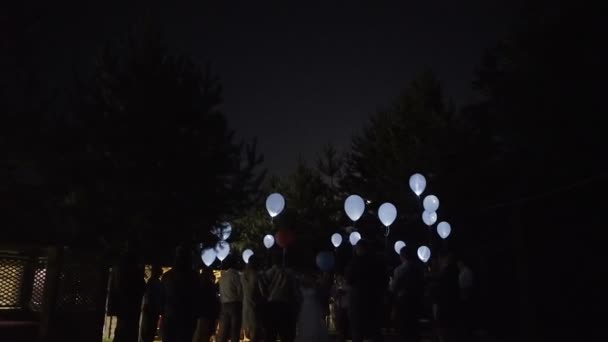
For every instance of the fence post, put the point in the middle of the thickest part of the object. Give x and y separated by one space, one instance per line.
54 266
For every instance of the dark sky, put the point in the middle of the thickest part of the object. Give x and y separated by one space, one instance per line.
296 74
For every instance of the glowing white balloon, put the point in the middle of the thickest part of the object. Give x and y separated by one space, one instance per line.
208 255
424 253
246 255
429 218
444 229
336 240
417 183
268 241
354 206
431 203
354 238
275 203
222 249
387 213
223 231
398 246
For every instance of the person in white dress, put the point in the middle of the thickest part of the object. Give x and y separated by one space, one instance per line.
311 323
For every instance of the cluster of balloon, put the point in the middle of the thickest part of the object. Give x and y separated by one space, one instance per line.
208 255
325 261
246 255
284 238
354 237
222 249
429 215
398 246
336 240
275 203
354 206
268 241
387 213
424 253
430 204
444 229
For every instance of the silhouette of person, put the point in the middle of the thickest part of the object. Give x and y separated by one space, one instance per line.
181 298
152 305
466 284
209 307
252 300
231 297
367 280
341 299
311 319
130 288
407 286
282 296
324 287
448 293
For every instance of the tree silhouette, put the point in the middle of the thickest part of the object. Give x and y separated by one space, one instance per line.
151 152
409 136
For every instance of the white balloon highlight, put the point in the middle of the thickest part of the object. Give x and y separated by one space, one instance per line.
417 184
444 229
222 249
336 240
431 203
354 238
208 255
387 213
354 206
429 218
246 255
424 253
223 231
398 246
275 203
268 241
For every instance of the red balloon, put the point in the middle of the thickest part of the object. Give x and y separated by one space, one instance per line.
284 238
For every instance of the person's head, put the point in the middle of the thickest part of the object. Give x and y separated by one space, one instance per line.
183 257
229 262
207 274
404 254
461 264
362 248
156 271
308 281
277 259
253 263
447 259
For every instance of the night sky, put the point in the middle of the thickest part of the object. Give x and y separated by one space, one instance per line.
295 75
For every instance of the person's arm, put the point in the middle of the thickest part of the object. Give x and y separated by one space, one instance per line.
239 287
162 295
349 274
262 285
396 281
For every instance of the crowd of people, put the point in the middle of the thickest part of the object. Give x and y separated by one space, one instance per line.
362 302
